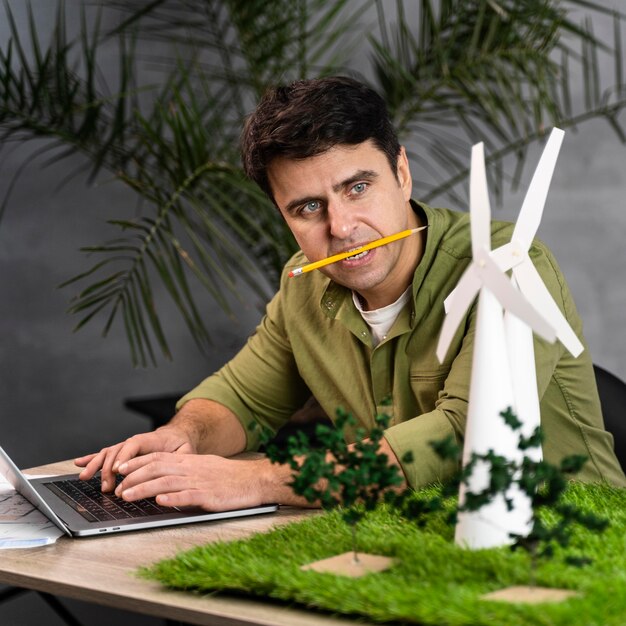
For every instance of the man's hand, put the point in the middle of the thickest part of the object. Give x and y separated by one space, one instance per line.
201 426
211 482
164 439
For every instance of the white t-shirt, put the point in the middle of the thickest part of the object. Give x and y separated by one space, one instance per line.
380 321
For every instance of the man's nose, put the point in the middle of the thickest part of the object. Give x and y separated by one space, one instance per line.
341 220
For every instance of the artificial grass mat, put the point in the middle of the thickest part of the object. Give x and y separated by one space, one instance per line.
433 582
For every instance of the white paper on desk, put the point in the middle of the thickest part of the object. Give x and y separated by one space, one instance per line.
21 524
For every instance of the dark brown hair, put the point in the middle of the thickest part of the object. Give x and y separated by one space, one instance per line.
308 117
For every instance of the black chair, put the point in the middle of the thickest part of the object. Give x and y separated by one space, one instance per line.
612 392
158 409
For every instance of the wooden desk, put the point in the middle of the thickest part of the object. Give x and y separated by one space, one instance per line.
103 570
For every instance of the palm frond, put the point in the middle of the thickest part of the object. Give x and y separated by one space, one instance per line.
151 248
496 72
452 72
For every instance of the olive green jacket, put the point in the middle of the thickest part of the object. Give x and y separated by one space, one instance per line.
312 340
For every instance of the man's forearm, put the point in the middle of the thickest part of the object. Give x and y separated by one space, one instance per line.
211 427
215 430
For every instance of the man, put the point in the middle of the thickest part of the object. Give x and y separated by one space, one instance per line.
359 334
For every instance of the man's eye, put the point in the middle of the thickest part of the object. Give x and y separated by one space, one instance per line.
311 207
359 188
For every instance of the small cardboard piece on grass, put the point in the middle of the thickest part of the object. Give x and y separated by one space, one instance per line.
346 565
530 595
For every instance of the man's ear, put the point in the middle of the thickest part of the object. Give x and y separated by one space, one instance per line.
403 174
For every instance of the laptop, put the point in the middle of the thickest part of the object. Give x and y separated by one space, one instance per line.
80 509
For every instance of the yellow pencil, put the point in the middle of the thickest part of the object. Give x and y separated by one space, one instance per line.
344 255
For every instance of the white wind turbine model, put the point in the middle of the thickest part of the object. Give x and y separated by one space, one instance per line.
491 384
514 255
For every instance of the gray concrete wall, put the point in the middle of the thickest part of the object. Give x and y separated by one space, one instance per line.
61 393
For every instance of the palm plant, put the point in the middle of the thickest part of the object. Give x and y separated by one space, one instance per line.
453 72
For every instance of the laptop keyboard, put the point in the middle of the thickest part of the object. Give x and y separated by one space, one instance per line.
85 497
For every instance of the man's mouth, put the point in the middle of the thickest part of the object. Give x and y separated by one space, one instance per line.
360 255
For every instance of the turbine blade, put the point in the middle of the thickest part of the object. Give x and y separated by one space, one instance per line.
464 294
480 210
470 276
534 289
532 208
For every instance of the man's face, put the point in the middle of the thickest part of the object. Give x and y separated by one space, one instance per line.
342 199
